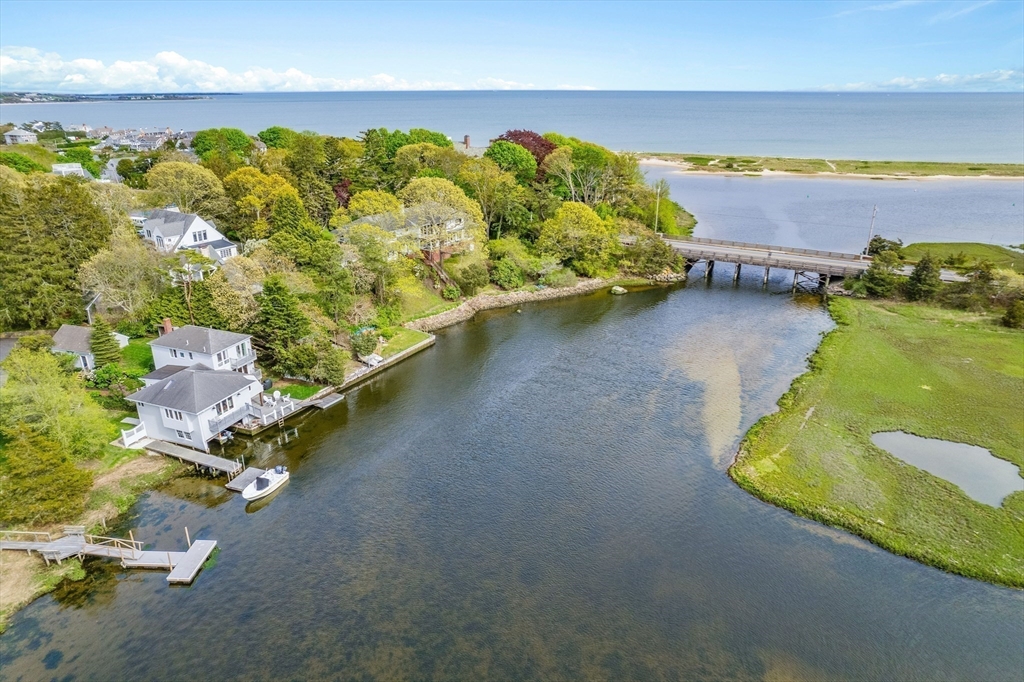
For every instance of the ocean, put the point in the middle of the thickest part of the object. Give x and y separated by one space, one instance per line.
967 127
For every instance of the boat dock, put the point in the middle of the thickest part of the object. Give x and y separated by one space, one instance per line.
239 482
183 566
200 459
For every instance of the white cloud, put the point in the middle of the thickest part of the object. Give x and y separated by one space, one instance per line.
954 12
1000 80
883 7
26 68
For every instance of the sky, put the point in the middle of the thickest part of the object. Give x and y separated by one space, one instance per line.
896 45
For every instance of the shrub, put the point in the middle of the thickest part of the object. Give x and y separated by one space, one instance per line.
134 329
41 483
507 274
560 278
1014 317
20 163
880 244
451 293
472 278
880 279
364 342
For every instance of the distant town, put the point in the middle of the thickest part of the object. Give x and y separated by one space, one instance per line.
47 97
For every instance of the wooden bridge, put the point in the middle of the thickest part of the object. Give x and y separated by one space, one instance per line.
183 566
812 268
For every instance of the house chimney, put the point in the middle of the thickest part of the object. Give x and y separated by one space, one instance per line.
466 141
167 326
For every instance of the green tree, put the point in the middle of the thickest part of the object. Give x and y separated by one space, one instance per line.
880 279
281 323
364 342
502 200
84 157
48 227
129 273
224 140
417 135
579 238
924 281
276 137
648 256
103 344
879 244
192 268
513 158
373 202
192 188
41 483
41 394
375 254
472 278
21 163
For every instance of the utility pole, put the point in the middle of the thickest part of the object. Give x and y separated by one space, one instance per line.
657 206
871 230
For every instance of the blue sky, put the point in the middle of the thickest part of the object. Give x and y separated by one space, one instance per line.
224 46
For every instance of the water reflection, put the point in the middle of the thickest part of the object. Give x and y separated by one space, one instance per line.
538 496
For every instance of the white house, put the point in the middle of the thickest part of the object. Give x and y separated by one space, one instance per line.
79 128
428 228
213 348
65 169
194 404
74 340
172 231
18 136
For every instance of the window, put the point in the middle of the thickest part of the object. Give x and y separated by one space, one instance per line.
190 355
160 241
225 253
199 236
240 350
222 356
174 353
184 434
225 405
173 414
149 234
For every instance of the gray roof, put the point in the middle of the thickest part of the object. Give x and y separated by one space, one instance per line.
199 339
170 223
72 339
193 389
165 371
221 244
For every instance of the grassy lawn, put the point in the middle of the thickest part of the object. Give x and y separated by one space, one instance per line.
298 390
137 354
892 366
405 338
416 298
756 164
37 153
999 256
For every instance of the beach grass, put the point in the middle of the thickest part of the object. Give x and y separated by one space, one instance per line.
758 164
972 253
888 366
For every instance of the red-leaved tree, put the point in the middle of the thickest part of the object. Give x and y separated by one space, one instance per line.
534 143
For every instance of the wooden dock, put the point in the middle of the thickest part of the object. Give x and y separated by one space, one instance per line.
230 467
188 566
239 482
328 401
183 566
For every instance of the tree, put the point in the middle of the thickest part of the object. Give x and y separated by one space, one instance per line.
41 483
472 278
427 160
417 135
223 140
373 202
879 244
924 281
232 291
276 137
648 256
48 227
513 158
129 273
531 141
501 198
364 342
102 343
254 195
880 279
192 268
191 188
280 323
41 394
507 274
375 254
579 238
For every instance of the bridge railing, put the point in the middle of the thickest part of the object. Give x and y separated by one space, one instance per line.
842 255
25 536
115 543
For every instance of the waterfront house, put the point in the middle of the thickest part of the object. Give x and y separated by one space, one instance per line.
194 404
172 231
99 133
214 348
18 136
75 340
66 169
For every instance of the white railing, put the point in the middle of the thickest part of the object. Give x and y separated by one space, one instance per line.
268 414
133 435
225 420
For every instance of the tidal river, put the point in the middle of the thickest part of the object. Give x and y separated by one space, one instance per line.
541 495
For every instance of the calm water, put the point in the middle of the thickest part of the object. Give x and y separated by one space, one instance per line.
835 213
916 126
539 496
973 469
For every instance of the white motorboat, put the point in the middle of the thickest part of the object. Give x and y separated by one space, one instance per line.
266 483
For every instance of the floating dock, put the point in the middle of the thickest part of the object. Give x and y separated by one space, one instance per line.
239 482
186 569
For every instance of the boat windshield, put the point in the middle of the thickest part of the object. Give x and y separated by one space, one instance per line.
262 483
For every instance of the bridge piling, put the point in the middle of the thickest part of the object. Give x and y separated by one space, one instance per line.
764 282
736 273
709 267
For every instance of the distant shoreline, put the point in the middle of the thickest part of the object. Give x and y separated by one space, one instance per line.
753 166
